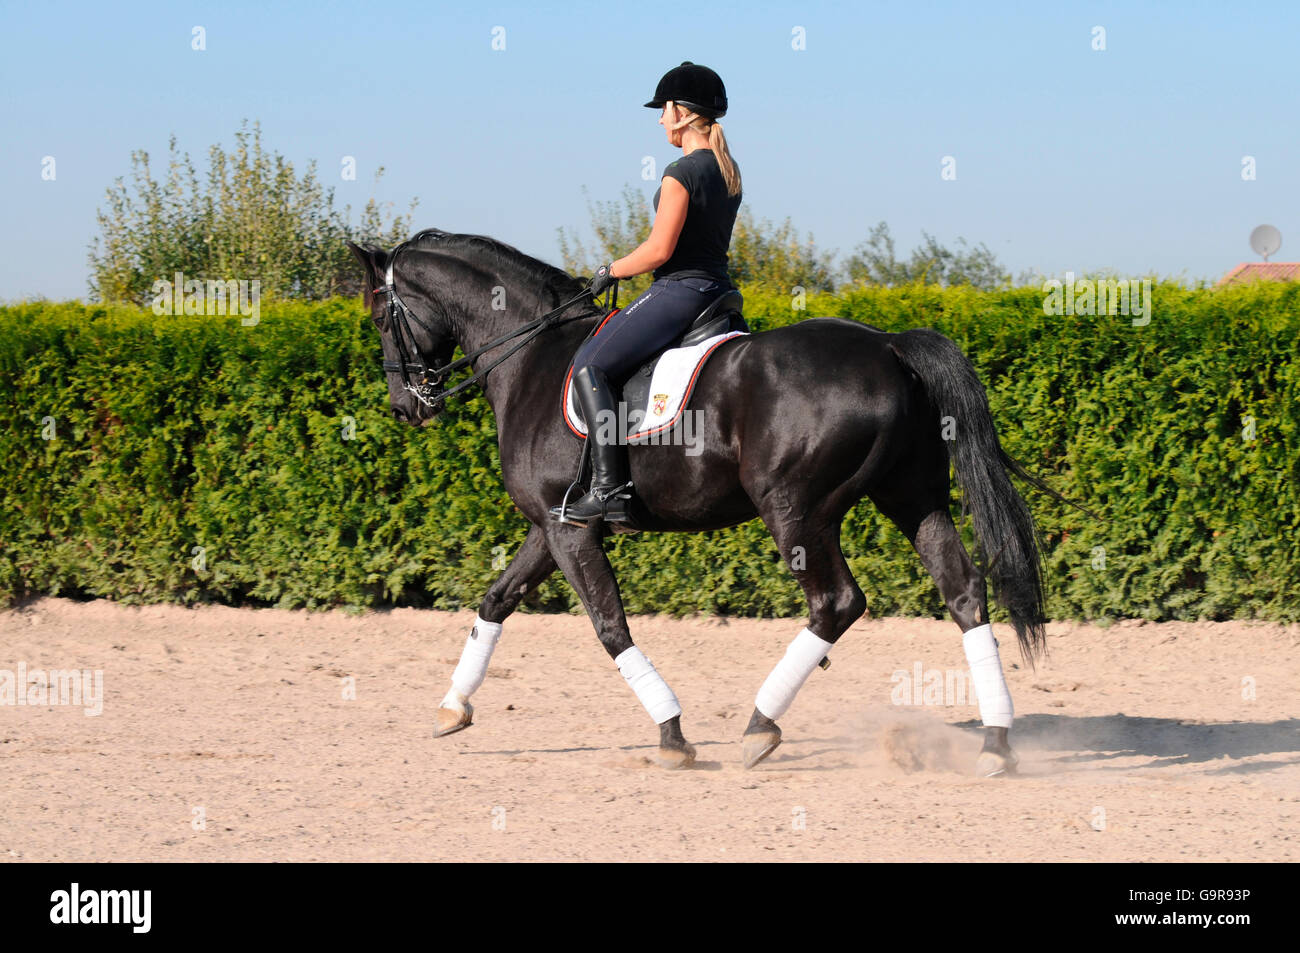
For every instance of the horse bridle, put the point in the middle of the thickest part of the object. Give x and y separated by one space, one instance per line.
425 389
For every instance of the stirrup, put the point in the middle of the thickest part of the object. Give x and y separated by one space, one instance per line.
558 511
621 492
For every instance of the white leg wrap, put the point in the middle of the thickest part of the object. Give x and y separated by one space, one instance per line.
473 666
991 691
648 684
804 654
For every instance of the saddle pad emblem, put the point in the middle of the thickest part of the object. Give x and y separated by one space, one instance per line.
660 404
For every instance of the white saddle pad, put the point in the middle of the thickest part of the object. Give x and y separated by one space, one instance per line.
670 387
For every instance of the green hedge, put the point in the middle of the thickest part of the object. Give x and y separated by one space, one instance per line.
172 433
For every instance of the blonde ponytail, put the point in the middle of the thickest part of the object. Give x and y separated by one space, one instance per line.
717 142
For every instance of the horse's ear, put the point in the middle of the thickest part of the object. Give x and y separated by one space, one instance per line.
372 257
374 260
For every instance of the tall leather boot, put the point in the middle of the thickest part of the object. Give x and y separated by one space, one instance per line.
611 491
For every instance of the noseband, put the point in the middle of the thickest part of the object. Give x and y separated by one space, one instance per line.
426 387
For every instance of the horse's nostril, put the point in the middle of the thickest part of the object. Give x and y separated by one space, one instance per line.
399 414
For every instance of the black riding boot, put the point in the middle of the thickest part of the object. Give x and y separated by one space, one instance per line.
611 491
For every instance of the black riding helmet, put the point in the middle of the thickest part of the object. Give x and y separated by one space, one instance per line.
696 87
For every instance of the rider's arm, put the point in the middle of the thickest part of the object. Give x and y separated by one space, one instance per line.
658 248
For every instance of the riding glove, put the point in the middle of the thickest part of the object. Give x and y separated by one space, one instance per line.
602 279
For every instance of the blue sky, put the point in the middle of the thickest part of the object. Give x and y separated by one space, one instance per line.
1067 158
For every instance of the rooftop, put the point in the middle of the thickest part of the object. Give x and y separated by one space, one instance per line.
1250 271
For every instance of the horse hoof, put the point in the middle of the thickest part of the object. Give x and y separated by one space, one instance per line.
448 721
993 764
759 745
676 758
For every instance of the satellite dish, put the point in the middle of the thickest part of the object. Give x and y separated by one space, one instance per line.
1265 240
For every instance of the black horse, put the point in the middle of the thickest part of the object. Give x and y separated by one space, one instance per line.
798 424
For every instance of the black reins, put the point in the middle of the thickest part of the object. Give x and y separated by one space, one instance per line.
425 389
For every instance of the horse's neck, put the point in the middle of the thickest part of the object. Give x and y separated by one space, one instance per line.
475 326
480 326
545 356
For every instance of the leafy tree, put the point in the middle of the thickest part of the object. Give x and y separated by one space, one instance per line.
253 218
775 258
875 262
619 227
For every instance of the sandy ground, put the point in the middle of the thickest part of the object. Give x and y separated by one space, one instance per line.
1138 742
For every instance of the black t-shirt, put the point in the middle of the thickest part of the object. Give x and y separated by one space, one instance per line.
701 250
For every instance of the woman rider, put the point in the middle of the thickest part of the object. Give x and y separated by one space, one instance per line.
695 209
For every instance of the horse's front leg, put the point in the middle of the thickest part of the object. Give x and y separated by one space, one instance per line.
528 570
581 557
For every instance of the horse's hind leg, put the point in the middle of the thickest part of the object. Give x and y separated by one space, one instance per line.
528 570
811 547
930 529
581 557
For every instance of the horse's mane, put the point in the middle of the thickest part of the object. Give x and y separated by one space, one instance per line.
560 284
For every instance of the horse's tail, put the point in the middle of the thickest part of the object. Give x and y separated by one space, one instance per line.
1003 524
